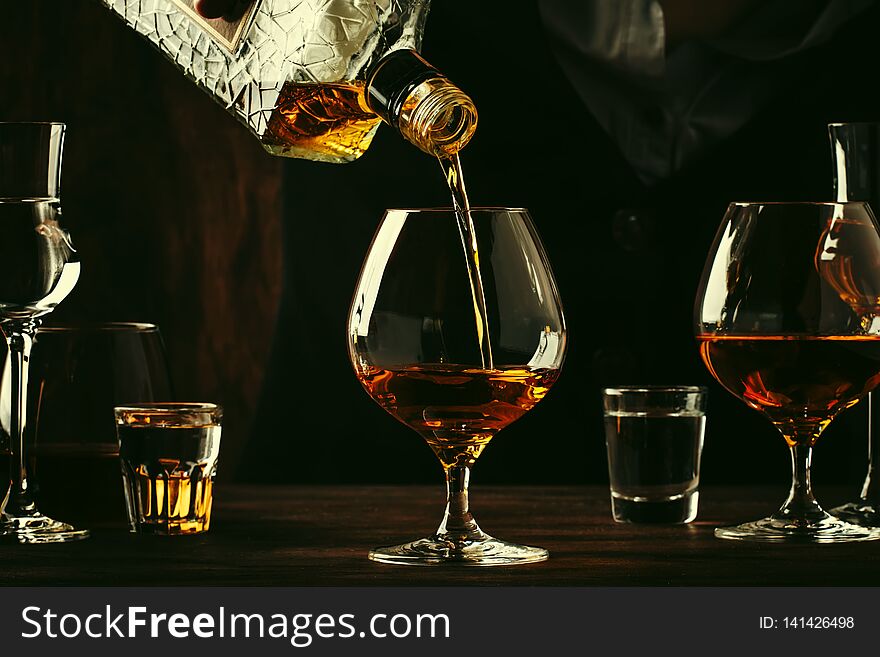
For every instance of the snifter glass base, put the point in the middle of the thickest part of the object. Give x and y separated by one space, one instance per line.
433 551
777 530
39 529
858 513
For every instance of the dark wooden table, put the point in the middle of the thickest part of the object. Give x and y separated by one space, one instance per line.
312 536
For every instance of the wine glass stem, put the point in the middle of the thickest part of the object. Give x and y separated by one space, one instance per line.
871 488
19 338
801 506
458 524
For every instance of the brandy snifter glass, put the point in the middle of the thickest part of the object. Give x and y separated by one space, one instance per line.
782 324
457 348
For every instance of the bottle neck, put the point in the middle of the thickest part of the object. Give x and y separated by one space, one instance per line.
423 105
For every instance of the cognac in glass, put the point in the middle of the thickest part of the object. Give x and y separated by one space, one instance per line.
781 325
454 363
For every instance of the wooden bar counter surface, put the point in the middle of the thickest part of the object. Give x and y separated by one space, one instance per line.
319 536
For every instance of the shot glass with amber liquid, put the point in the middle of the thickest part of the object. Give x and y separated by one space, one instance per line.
168 454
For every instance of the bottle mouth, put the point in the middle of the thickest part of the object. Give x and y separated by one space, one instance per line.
438 117
426 108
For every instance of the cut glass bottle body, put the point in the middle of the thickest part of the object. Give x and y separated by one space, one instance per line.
293 72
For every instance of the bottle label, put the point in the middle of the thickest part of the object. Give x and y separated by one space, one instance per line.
227 32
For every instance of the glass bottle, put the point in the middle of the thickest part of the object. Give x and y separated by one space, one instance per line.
313 80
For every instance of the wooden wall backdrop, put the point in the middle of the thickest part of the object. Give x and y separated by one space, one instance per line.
173 206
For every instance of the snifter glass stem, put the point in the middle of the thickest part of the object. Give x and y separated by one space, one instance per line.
459 538
800 517
458 526
801 508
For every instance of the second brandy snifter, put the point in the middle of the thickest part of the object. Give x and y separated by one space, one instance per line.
424 351
786 319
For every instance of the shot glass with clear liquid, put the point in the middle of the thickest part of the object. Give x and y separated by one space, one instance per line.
168 454
654 437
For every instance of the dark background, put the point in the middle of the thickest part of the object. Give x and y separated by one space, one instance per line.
248 263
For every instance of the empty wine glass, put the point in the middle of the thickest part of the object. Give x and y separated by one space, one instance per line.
455 365
781 323
38 269
855 148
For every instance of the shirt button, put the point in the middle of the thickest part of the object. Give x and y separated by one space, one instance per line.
632 229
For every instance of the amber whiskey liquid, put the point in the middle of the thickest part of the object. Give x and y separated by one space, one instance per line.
324 122
169 477
457 409
452 170
800 382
